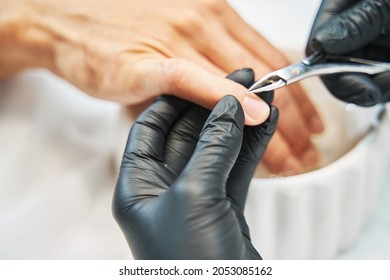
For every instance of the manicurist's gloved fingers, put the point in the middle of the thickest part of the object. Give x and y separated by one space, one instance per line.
255 141
144 152
185 134
183 137
169 213
206 173
150 130
245 77
354 28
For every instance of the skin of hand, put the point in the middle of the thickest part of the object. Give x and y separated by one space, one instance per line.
184 178
358 29
134 51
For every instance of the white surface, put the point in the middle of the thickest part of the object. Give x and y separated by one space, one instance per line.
56 172
56 166
285 23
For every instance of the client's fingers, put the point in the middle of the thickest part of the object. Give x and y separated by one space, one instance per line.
191 82
279 159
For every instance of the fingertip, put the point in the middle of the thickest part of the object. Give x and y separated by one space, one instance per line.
255 109
244 76
291 166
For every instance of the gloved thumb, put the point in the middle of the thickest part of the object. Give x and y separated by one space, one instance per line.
219 144
353 28
255 142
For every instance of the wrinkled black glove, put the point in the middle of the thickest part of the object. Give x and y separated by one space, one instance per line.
184 179
359 29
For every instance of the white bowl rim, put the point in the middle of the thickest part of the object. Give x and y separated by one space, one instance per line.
339 163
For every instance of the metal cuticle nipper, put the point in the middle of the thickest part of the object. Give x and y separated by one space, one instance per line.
317 64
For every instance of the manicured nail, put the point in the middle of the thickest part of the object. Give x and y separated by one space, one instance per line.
316 124
255 108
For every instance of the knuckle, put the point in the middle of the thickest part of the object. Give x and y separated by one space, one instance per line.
173 72
189 22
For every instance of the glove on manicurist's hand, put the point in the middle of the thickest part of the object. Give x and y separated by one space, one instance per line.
184 179
359 29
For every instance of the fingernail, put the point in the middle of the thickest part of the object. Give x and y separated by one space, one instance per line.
316 124
310 157
291 167
255 108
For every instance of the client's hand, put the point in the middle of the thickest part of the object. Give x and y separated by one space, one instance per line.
184 179
134 51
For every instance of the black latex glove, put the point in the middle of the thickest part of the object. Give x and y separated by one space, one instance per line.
360 29
184 179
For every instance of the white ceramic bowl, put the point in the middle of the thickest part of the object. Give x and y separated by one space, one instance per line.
318 214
